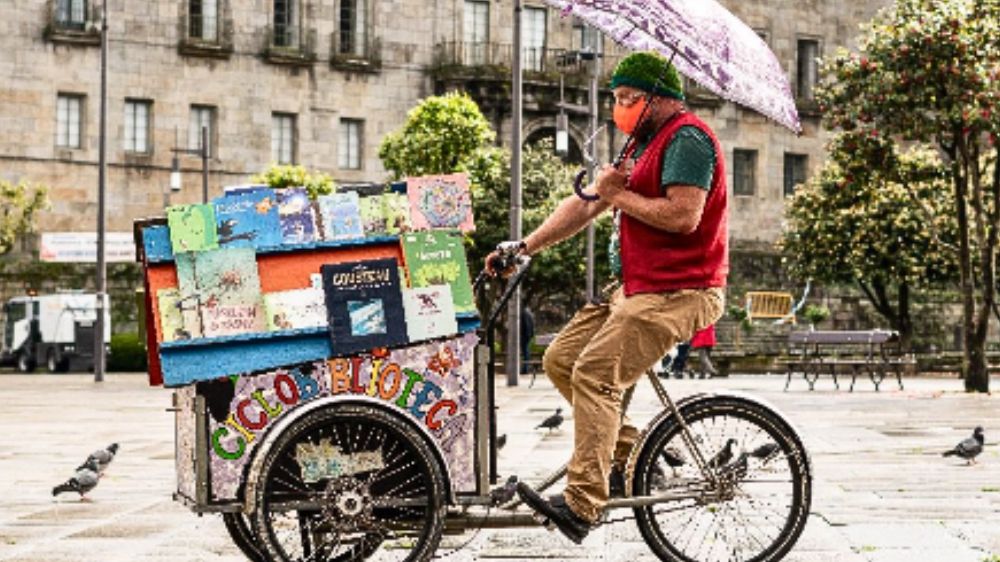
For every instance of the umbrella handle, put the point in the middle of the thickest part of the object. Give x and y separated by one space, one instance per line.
578 187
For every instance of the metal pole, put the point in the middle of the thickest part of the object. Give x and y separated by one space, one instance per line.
102 174
204 164
513 361
592 171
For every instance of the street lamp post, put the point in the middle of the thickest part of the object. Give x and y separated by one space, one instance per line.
175 167
102 176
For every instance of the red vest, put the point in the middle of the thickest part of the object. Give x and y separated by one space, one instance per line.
654 260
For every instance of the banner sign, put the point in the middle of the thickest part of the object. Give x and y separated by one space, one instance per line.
81 247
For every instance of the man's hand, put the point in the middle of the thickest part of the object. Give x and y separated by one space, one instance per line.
610 183
500 261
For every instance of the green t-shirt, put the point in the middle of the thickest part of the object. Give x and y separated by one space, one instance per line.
689 159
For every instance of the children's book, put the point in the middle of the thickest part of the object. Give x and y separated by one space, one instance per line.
192 228
298 222
228 292
295 309
179 318
372 215
430 312
440 202
364 305
396 210
437 257
248 218
341 216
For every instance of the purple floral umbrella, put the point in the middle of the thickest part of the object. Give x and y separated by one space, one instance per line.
712 47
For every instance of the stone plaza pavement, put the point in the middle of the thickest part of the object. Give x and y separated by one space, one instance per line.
882 490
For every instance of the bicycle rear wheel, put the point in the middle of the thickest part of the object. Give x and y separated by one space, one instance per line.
761 504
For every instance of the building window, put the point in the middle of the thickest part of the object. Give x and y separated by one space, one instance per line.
744 172
476 31
137 116
353 27
349 145
203 20
202 116
69 116
283 138
286 28
808 52
71 13
533 34
588 39
796 168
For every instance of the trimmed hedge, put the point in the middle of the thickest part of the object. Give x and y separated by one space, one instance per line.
127 353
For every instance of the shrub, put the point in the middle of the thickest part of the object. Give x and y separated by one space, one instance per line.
127 353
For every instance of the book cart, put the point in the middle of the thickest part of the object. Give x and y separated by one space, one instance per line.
318 438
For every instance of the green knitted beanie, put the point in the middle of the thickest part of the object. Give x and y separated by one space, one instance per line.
649 72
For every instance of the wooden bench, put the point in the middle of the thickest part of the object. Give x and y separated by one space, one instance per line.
853 352
769 304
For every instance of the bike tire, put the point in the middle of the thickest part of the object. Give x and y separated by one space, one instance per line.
239 530
717 534
403 503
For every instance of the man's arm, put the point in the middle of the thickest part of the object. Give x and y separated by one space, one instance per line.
679 211
570 217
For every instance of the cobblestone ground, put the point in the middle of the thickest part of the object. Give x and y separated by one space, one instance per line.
882 490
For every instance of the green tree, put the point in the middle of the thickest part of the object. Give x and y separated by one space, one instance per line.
929 71
442 134
279 176
20 204
886 228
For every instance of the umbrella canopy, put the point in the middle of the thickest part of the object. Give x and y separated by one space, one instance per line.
712 47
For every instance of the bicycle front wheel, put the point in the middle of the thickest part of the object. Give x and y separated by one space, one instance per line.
759 504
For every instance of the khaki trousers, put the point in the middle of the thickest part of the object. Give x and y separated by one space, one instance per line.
599 355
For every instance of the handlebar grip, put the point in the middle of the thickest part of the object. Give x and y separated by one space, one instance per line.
578 187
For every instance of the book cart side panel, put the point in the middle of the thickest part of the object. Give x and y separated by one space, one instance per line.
432 383
186 443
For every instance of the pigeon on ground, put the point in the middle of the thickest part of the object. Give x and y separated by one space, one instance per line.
552 422
501 441
83 481
723 456
765 451
103 457
505 493
969 448
736 470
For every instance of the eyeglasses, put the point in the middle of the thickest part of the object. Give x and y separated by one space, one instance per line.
628 100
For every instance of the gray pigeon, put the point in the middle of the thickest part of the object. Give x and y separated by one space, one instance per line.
104 457
505 493
736 470
501 441
723 456
765 451
969 448
83 481
552 422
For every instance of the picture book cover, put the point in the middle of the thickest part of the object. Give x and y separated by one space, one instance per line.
341 216
372 216
229 291
178 317
295 309
437 257
396 209
440 202
430 312
248 218
364 305
298 222
192 228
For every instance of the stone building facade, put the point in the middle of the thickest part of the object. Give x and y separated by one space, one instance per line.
320 82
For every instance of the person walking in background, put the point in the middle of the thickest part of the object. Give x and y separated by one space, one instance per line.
527 334
704 341
676 365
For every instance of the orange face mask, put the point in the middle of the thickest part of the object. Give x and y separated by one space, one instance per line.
627 118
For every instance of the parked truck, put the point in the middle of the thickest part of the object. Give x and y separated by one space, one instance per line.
52 330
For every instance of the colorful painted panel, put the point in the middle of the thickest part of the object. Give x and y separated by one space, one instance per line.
432 383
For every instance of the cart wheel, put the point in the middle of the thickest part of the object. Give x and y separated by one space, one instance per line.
345 480
762 502
239 531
